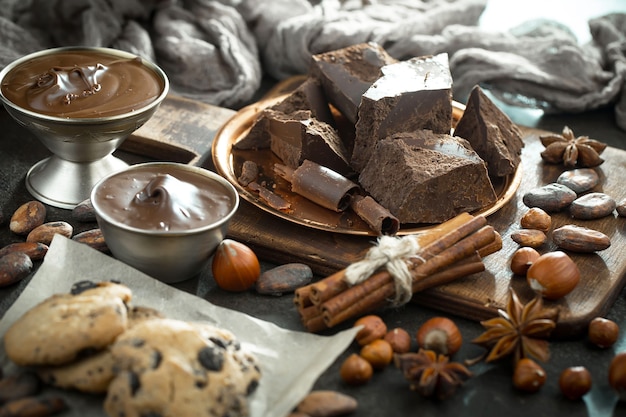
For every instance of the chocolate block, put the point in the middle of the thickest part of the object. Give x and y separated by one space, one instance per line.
411 95
307 96
298 136
424 177
491 133
345 74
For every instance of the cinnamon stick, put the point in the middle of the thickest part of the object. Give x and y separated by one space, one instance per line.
463 268
455 253
358 300
333 285
373 301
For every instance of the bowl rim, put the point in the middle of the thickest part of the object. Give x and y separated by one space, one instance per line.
104 216
85 120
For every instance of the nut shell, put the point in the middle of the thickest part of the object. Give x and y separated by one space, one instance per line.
575 382
355 370
373 328
441 335
528 376
603 332
235 266
522 259
617 375
553 275
378 353
399 339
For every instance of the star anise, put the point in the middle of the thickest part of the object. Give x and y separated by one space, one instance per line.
572 151
520 331
431 374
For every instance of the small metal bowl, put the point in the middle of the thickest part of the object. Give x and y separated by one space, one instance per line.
82 147
169 256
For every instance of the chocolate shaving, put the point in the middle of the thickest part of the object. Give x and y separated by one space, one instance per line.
249 173
272 199
378 218
319 184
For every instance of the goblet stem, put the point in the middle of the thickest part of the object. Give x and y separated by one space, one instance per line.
65 184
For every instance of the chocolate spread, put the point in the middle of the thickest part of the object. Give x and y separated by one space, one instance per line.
169 200
82 84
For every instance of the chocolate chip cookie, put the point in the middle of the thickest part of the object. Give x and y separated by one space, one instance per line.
60 328
94 372
170 367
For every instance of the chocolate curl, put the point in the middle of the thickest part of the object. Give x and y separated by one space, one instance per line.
319 184
378 218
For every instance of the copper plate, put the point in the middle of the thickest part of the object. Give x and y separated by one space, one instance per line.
228 162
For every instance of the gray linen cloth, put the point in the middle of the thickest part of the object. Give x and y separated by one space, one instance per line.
218 51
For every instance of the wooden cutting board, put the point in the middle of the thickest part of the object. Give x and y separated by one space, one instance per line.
182 131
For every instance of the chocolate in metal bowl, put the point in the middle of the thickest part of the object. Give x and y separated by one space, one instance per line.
163 218
82 143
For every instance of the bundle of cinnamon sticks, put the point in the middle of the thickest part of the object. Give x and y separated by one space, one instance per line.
451 251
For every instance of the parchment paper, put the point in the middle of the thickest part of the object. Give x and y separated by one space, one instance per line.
290 361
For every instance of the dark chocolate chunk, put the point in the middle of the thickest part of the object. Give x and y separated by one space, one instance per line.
134 383
82 286
345 74
298 136
411 95
157 357
491 133
409 173
211 358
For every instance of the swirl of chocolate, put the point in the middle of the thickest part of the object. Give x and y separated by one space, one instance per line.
82 84
163 201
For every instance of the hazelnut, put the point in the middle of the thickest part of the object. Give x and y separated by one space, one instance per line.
528 375
373 328
441 335
536 218
235 266
378 353
575 382
617 375
355 370
522 259
603 332
553 275
399 339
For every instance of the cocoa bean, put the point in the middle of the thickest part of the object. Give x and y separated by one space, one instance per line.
580 239
592 206
532 238
551 197
14 267
84 212
284 279
18 385
35 250
326 403
27 217
33 407
93 238
579 180
46 232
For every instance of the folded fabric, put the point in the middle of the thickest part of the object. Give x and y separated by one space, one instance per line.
218 51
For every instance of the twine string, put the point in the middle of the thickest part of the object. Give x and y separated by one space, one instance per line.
390 252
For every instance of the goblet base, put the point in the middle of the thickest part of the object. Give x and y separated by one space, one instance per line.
65 184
